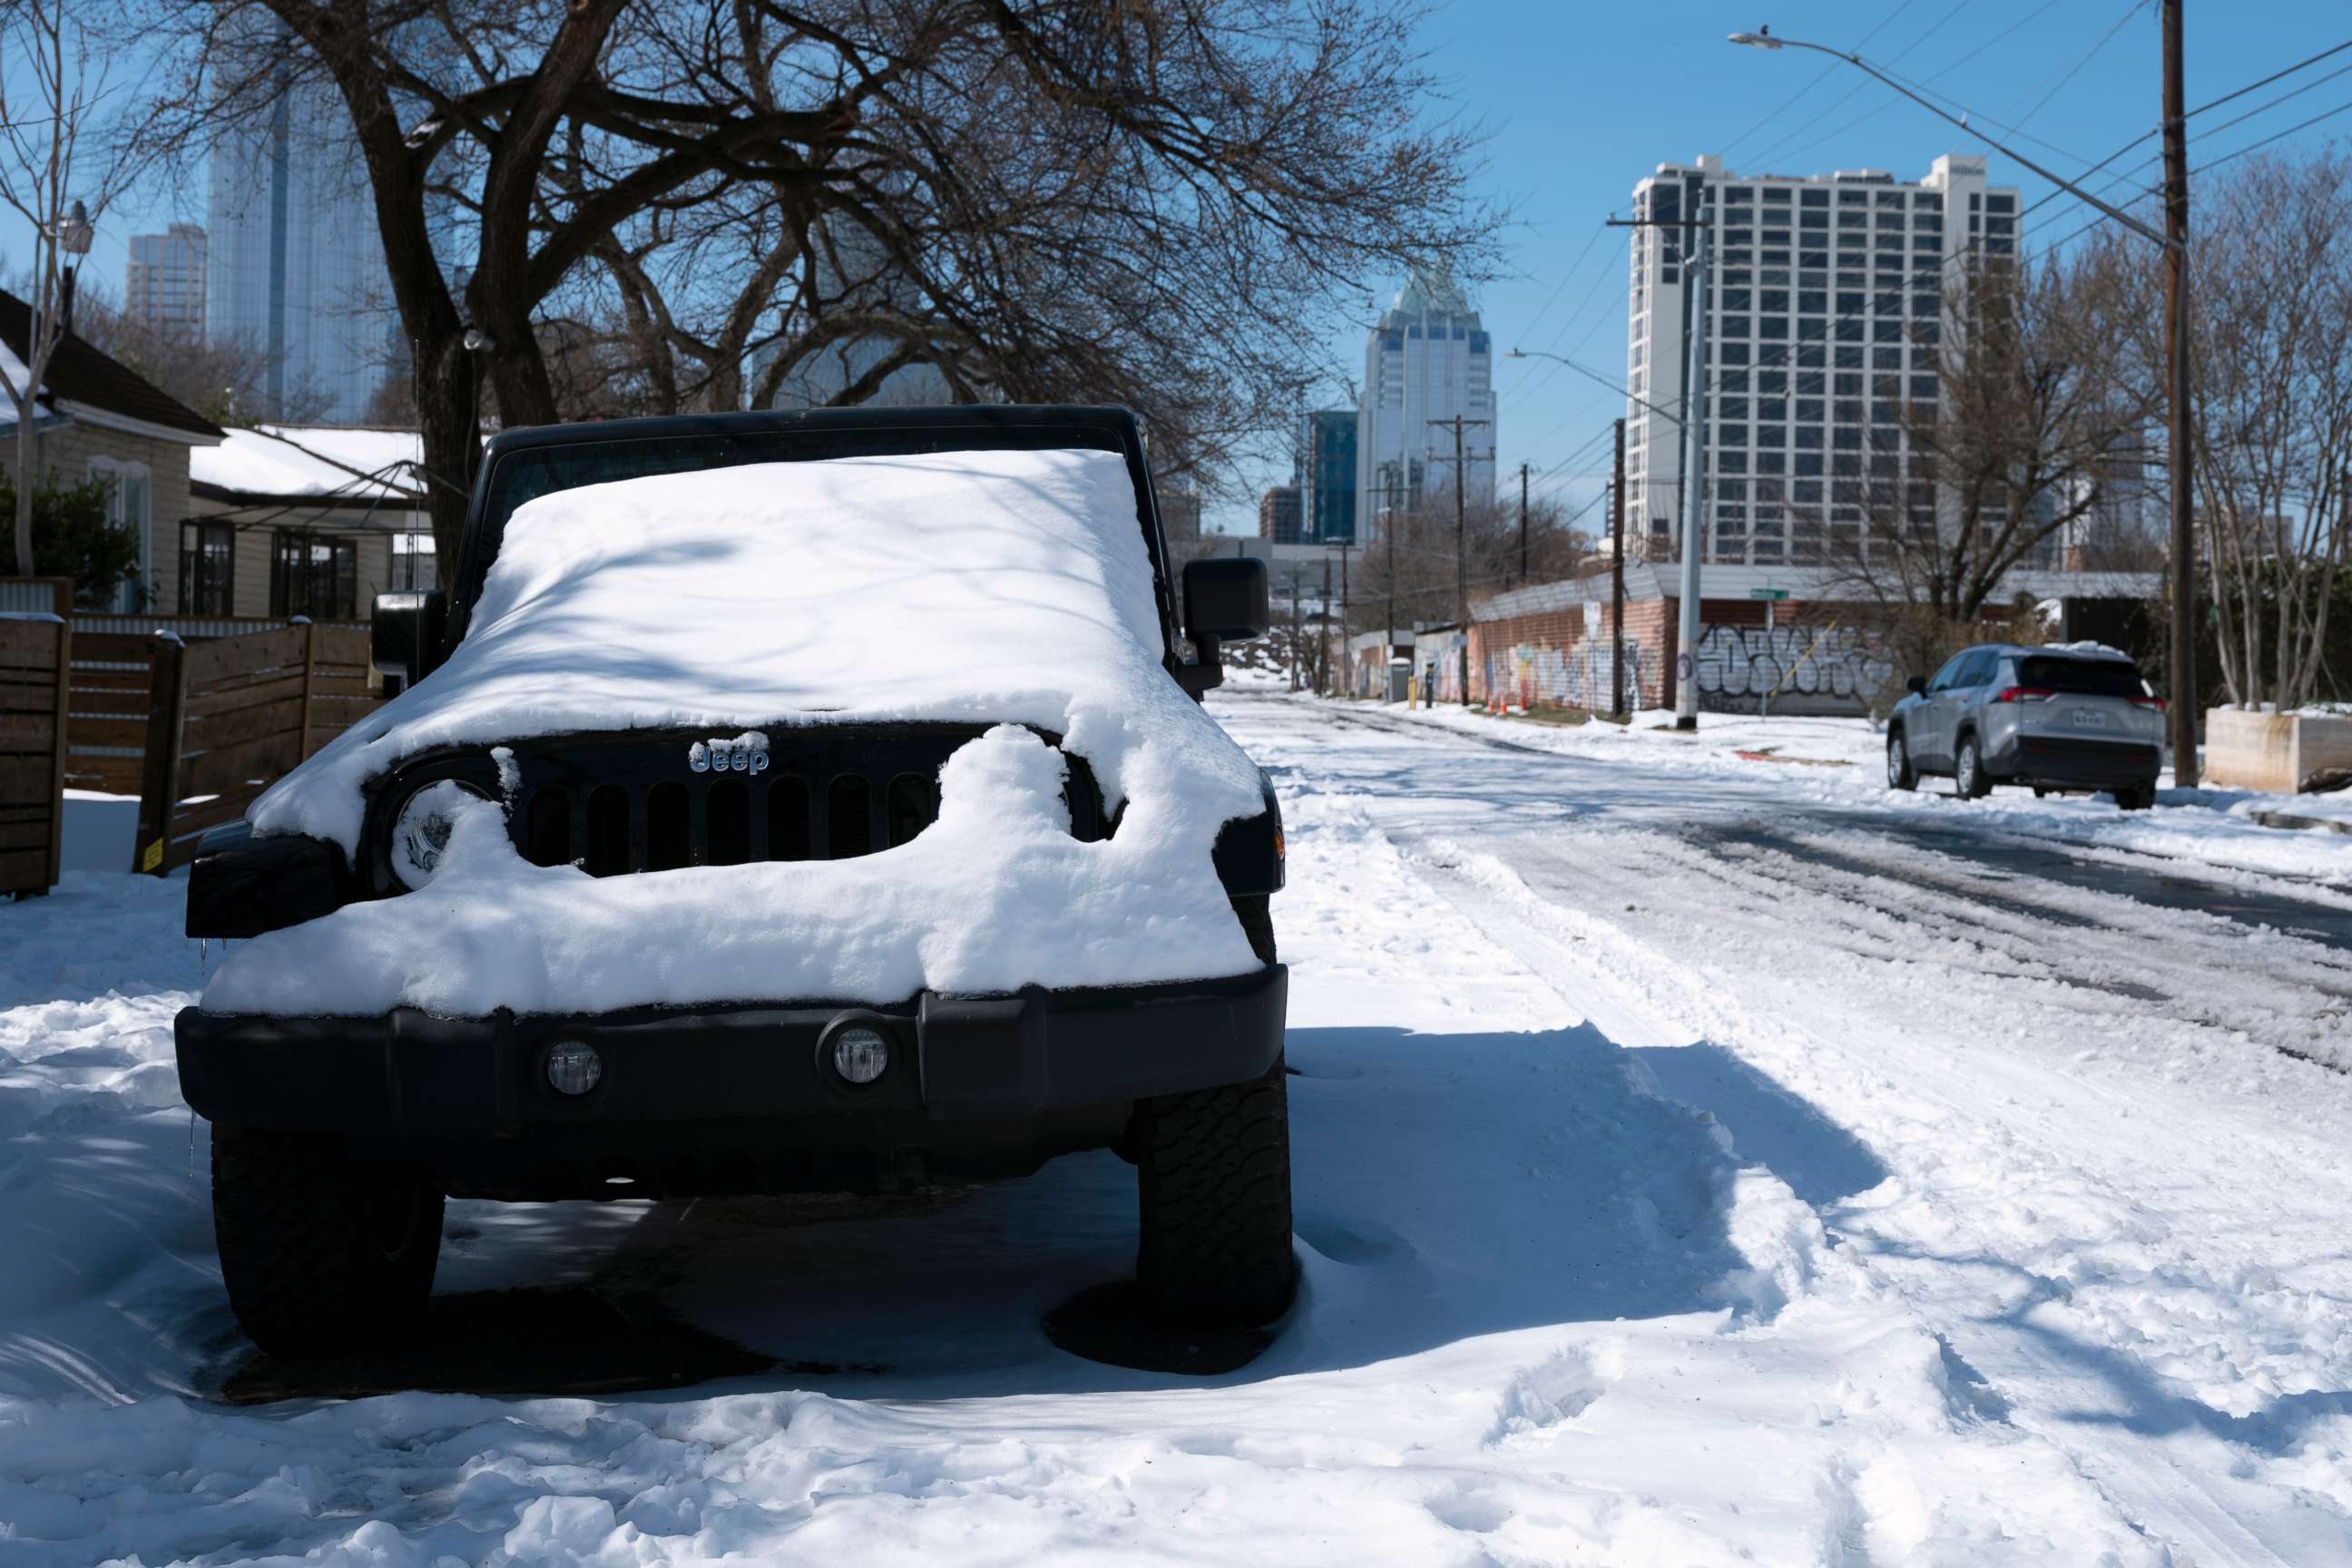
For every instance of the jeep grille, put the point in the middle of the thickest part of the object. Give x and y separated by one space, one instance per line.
631 802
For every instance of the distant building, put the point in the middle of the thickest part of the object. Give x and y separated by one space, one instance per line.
164 287
1327 476
1825 327
295 267
1278 514
1428 360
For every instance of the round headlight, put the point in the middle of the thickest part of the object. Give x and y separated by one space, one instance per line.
420 832
860 1055
574 1066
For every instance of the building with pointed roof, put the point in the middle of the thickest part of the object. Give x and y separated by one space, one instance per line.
1428 360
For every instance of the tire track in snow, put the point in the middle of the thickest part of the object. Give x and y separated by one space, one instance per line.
2104 1235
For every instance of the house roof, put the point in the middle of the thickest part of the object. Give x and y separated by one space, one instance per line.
321 464
83 382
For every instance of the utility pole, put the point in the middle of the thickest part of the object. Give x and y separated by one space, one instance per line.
2176 351
1693 485
1617 576
1461 549
1323 641
1387 527
1293 625
1694 476
1347 625
1523 524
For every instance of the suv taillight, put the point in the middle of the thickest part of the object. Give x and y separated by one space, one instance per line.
2155 703
2025 694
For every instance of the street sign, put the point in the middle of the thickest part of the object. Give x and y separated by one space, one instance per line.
1768 593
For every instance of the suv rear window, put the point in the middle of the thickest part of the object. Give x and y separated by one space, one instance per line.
2082 676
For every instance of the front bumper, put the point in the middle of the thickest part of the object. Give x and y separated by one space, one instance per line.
734 1099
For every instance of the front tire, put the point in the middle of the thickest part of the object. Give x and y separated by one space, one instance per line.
1212 1173
1969 780
1899 773
321 1257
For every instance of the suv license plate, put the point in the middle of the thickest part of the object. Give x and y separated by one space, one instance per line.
2089 719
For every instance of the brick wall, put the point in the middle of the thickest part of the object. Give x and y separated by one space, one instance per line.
1560 659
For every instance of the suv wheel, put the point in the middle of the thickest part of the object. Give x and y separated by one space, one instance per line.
1212 1169
1968 779
1899 763
2138 798
321 1255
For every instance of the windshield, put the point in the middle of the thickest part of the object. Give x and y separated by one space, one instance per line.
2082 676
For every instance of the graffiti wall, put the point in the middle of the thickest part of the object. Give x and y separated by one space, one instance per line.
1805 669
1576 676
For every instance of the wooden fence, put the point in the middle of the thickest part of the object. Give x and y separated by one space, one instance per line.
35 653
228 716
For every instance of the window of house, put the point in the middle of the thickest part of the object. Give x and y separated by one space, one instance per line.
314 574
413 562
129 493
207 569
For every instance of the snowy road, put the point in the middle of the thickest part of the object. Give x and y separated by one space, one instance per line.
1697 1161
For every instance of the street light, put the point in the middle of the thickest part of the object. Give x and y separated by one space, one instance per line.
1563 359
73 234
2183 659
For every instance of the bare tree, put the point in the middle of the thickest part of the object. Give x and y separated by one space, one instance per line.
52 91
1423 543
1148 201
226 378
2271 415
2027 428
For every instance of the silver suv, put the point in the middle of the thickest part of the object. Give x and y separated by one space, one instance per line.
2076 717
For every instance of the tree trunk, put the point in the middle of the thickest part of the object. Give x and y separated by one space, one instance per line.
26 410
447 391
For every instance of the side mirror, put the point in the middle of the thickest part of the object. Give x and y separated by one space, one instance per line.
405 634
1916 683
1225 598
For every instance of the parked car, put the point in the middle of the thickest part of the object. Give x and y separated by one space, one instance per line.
679 682
2077 717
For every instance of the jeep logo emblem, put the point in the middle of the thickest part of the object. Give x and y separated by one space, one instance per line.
743 754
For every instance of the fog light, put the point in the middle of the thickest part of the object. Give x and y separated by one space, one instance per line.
860 1055
573 1067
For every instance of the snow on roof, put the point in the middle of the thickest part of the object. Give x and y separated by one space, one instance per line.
326 461
1011 588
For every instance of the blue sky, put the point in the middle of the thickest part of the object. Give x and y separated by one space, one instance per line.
1581 99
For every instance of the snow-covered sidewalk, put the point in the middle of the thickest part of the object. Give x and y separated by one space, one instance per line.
1690 1169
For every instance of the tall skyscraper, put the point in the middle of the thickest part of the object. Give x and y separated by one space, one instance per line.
295 266
1428 360
164 286
1825 322
1327 476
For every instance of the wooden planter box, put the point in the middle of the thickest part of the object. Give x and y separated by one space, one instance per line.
2275 753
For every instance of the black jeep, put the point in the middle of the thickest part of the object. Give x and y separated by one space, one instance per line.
336 1140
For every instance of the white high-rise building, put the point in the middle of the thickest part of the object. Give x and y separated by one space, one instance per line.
163 284
296 268
1826 319
1428 360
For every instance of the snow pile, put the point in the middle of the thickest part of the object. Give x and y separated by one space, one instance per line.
1007 586
995 896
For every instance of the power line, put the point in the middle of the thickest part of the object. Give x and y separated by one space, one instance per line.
1551 299
1806 91
2088 56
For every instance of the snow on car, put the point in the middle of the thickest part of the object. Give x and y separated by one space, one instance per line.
804 802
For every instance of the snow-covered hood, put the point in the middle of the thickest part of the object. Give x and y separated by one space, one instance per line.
1009 586
1005 587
